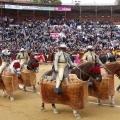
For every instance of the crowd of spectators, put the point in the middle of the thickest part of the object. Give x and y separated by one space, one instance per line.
77 35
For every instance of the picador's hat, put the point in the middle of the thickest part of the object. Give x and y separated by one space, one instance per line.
89 47
62 46
22 49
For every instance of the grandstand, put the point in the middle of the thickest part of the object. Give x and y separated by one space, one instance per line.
83 12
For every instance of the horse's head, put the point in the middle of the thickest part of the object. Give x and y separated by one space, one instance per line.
15 67
33 64
95 72
88 70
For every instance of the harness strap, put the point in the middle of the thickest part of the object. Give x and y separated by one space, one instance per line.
106 69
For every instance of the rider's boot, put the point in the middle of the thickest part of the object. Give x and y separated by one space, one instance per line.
58 90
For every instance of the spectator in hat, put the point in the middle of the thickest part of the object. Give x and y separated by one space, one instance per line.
91 56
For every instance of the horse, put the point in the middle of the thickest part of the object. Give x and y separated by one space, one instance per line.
28 73
72 88
106 88
9 78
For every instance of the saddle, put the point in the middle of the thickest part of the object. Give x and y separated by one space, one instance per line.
67 71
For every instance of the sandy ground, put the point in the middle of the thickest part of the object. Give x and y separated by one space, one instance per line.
27 106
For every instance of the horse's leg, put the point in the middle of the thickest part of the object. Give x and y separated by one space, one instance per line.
11 98
112 103
43 107
34 88
76 114
54 109
99 102
3 93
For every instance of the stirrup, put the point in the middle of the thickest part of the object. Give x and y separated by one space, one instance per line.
90 84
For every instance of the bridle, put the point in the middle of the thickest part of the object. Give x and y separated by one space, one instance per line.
31 67
81 71
108 71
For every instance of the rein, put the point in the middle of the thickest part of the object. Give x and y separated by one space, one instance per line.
106 69
83 72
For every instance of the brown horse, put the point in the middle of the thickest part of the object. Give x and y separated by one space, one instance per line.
75 92
9 78
106 88
28 74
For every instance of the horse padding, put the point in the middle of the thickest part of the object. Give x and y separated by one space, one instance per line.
28 77
10 81
75 92
104 89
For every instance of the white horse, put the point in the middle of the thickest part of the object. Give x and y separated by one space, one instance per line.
9 78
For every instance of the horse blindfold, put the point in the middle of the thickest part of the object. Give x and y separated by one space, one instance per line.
16 65
35 65
95 69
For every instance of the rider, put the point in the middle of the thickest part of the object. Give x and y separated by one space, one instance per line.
5 57
91 56
22 56
61 60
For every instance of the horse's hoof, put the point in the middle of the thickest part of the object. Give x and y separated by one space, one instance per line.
100 104
34 90
55 111
11 98
3 95
77 116
112 105
43 109
24 89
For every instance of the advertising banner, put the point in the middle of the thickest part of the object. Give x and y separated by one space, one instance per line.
7 6
62 9
55 35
